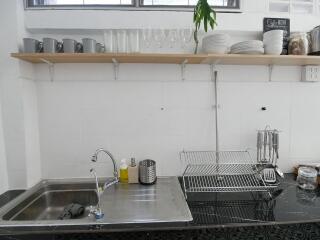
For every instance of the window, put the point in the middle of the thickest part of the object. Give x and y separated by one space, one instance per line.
214 3
77 3
225 4
295 6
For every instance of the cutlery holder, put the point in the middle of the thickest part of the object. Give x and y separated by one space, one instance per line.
147 172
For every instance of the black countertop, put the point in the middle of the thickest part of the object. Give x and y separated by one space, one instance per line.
289 209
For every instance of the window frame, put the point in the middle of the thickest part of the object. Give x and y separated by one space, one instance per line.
137 5
141 5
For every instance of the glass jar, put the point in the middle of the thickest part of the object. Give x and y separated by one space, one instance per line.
307 178
298 44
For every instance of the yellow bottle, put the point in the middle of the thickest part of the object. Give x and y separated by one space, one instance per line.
124 171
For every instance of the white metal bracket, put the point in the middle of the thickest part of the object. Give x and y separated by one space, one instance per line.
213 67
115 68
51 68
183 69
270 72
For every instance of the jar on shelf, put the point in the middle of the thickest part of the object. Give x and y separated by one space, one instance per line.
298 44
307 178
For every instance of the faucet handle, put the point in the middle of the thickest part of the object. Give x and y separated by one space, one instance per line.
97 212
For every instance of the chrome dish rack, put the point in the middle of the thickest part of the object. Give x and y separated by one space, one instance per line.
224 171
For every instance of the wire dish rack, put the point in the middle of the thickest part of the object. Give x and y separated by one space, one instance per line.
229 171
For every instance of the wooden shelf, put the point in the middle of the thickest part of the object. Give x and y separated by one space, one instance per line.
223 59
108 58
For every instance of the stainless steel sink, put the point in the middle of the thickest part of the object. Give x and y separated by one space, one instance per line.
49 201
41 205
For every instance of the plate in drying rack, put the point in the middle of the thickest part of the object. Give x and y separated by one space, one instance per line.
209 171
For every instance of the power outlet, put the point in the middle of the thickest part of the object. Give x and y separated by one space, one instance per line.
310 73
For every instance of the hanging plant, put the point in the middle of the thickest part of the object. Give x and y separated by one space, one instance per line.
203 12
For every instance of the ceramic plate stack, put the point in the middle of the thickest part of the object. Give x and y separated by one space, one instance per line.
273 42
248 47
216 43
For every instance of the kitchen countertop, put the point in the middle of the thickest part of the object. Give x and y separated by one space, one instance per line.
289 206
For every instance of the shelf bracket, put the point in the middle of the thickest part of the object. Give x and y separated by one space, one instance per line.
271 66
183 69
213 66
51 68
115 68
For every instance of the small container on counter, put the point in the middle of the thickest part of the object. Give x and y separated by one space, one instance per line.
123 171
307 178
133 172
298 44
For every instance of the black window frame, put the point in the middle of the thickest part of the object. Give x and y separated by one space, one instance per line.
136 6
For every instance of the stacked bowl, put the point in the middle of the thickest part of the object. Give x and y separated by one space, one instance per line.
248 47
273 42
216 43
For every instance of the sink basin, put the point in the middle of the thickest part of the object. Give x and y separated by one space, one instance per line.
48 202
41 205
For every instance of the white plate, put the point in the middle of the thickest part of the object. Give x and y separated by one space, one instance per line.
215 50
217 36
248 43
249 51
244 48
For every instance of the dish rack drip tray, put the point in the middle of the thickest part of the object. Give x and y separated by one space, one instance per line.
209 171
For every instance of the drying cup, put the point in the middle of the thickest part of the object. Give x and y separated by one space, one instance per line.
100 48
51 45
71 46
89 45
31 45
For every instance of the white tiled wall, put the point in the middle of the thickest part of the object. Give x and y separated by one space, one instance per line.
150 113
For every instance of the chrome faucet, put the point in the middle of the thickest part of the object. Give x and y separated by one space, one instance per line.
98 212
115 168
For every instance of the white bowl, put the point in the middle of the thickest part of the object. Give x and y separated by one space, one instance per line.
273 44
273 33
273 51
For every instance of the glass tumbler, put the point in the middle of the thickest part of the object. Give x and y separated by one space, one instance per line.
134 41
122 41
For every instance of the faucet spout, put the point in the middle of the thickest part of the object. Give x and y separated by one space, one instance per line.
115 168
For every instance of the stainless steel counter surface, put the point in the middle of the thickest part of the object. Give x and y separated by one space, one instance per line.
163 202
136 203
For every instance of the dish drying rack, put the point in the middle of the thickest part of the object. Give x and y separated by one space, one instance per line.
224 171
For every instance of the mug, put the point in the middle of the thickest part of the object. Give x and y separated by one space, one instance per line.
71 46
51 45
100 48
31 45
89 45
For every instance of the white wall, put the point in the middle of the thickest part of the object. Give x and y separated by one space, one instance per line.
18 98
149 112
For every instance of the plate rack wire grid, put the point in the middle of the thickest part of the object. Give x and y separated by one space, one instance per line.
224 171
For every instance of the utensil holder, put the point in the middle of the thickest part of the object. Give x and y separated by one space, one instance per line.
147 172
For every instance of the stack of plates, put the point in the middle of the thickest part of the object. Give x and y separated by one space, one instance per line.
216 43
248 47
273 42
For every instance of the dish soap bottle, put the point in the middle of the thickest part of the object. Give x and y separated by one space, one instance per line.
133 173
123 171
